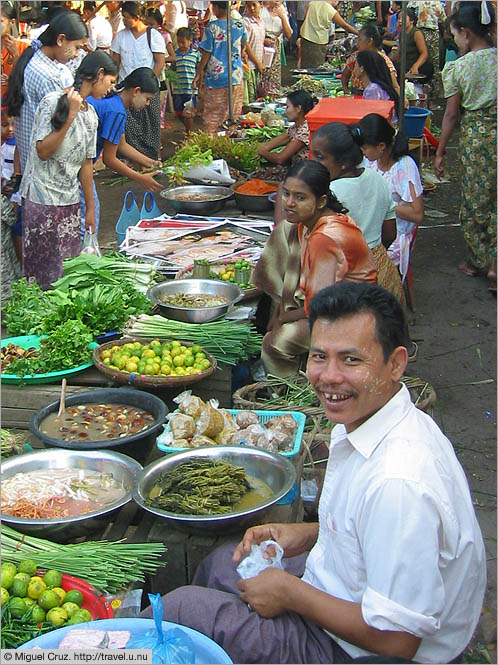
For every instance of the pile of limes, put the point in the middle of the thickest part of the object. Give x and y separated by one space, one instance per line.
36 599
157 358
230 272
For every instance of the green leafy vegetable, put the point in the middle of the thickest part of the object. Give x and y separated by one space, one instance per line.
66 347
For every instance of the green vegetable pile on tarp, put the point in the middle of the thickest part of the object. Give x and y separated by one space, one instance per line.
101 292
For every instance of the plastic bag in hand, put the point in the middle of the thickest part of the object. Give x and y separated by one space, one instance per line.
173 646
254 563
90 244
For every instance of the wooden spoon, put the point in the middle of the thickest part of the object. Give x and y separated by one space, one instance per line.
62 403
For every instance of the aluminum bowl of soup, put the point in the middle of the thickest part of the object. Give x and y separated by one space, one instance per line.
64 494
122 419
269 476
197 199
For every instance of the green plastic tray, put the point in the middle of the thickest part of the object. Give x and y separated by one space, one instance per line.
27 341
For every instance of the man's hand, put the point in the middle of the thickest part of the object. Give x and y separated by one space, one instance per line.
265 593
413 70
293 538
260 67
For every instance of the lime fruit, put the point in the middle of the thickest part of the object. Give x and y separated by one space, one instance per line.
27 566
70 608
18 588
35 587
37 614
29 601
17 607
48 599
24 577
52 578
4 597
7 577
60 592
74 596
57 616
82 615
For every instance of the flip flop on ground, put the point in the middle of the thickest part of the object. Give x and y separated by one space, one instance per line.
468 269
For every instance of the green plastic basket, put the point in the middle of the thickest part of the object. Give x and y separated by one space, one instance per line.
27 341
264 416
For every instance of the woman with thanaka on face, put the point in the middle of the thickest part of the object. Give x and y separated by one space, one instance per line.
387 152
369 39
38 72
63 144
317 245
363 192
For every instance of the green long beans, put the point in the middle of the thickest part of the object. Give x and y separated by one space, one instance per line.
109 566
227 341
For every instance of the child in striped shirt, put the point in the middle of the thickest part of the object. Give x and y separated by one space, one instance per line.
187 59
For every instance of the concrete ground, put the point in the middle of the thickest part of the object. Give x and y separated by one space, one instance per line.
455 327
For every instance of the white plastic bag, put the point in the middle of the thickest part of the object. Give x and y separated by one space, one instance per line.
218 171
90 244
254 563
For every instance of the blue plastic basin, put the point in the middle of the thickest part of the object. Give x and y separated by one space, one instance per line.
206 651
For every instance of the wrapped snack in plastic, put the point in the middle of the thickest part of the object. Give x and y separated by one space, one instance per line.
229 422
284 430
200 440
181 443
254 435
189 404
210 422
246 418
226 435
181 425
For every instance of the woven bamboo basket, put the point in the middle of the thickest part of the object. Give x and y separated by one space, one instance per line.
256 396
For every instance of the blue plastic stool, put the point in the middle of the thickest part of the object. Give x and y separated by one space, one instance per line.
129 216
149 207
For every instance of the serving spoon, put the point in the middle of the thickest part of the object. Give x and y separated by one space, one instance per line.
62 403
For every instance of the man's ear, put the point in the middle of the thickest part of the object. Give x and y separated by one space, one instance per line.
398 362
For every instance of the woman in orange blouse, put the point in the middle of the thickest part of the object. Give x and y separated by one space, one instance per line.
317 245
12 48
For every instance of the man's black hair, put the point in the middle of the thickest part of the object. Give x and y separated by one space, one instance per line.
349 298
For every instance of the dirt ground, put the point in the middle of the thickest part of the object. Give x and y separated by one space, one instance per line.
455 327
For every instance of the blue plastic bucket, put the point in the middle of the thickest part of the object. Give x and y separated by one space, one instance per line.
415 119
206 651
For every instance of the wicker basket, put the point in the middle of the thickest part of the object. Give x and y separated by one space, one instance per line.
145 380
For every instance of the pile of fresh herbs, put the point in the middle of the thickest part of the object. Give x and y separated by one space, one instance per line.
66 347
101 292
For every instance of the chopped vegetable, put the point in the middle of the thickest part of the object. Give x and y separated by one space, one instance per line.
109 566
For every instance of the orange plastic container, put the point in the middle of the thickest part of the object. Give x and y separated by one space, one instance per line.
346 109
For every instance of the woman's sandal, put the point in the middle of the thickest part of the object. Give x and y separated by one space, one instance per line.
468 269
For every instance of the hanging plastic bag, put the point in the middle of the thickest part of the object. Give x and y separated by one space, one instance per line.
254 563
90 244
218 171
173 646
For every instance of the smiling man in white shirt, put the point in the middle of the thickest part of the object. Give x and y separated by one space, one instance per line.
396 564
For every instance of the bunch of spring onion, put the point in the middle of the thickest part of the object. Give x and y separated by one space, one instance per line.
12 444
228 341
86 270
108 566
